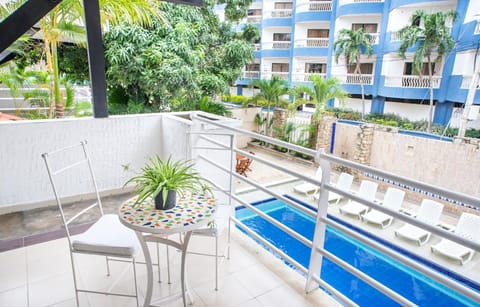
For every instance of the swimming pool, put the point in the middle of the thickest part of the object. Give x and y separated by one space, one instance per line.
419 289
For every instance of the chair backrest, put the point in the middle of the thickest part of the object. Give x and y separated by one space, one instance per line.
242 165
71 161
430 211
368 189
393 198
344 181
468 226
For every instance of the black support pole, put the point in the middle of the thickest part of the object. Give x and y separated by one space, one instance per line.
23 19
96 58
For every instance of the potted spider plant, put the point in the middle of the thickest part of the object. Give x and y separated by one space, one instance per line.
163 180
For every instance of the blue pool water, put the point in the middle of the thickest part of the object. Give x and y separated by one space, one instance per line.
417 288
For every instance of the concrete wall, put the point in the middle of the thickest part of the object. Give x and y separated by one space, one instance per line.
454 166
118 147
247 116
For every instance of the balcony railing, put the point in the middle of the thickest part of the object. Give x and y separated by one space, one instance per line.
312 43
251 75
412 81
305 77
269 74
374 38
357 79
315 6
276 45
254 19
395 36
256 47
279 13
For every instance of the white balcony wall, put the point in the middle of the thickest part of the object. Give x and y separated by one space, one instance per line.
464 63
400 17
472 11
301 29
267 33
347 21
392 65
118 146
268 6
412 111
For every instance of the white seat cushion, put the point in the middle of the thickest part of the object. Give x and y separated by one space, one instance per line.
107 237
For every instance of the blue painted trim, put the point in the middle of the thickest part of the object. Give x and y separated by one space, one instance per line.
292 42
332 140
443 113
239 90
425 135
277 22
378 105
311 52
276 53
360 8
313 16
350 122
331 40
397 3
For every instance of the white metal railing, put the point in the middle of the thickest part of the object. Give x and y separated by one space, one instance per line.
276 45
305 76
282 75
320 42
395 36
420 82
357 79
251 75
318 252
314 6
279 13
256 47
466 82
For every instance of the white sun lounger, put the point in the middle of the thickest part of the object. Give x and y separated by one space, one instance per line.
429 212
344 182
393 200
367 190
307 187
467 227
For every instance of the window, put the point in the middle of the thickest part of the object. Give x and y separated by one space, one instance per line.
408 69
318 33
280 67
368 27
281 37
252 67
365 68
283 5
254 12
315 68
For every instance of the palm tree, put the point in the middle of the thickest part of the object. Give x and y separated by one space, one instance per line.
63 23
352 44
429 33
271 91
323 90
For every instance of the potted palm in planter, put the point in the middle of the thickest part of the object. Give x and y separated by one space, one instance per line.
163 180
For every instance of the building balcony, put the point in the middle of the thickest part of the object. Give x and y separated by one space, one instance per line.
305 77
312 43
276 45
412 81
314 6
374 38
250 75
356 79
254 19
279 13
269 74
344 2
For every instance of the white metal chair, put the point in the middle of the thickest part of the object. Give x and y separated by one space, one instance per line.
344 182
221 222
107 236
467 227
367 190
393 200
307 187
429 213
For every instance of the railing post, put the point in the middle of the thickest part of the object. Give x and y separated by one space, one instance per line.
316 258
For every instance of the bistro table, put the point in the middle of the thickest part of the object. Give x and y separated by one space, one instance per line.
191 212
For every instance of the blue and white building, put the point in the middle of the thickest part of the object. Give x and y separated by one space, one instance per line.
297 38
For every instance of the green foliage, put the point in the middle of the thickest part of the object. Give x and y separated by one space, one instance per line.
73 61
192 56
158 176
82 109
250 33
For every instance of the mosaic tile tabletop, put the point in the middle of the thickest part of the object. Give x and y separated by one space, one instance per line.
191 212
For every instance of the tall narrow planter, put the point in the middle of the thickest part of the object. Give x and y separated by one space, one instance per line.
169 204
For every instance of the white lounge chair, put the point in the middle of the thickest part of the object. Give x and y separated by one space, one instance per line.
367 190
467 227
307 187
429 212
344 182
392 200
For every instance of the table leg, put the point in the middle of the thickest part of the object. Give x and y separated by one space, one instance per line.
186 239
148 261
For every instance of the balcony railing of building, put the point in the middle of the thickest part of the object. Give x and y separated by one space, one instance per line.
356 79
313 271
312 42
251 75
276 45
395 35
269 74
256 47
279 13
374 37
412 81
305 77
315 6
254 19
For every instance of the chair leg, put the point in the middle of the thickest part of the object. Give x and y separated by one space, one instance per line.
168 266
74 280
135 280
108 266
158 262
216 263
